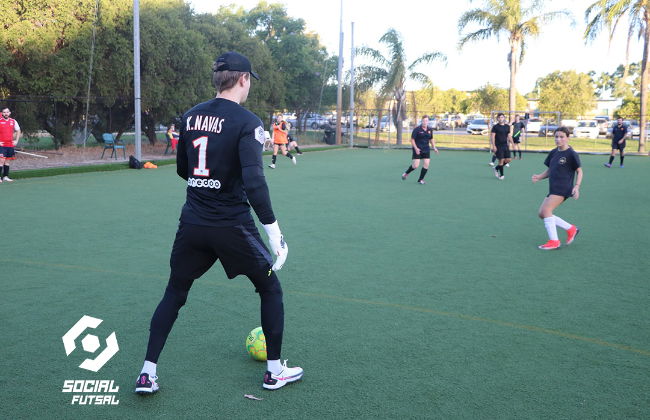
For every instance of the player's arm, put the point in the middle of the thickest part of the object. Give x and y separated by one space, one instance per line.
17 134
257 191
433 144
414 146
576 187
492 146
181 155
539 177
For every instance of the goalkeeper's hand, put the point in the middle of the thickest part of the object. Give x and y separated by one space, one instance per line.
278 246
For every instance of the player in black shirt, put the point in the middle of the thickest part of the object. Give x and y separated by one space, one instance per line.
220 157
620 133
500 140
518 129
421 137
563 165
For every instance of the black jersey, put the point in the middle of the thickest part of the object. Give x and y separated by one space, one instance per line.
422 137
517 129
501 133
220 156
562 165
618 133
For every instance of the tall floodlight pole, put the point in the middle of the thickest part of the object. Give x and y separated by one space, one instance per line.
136 78
339 91
90 75
352 86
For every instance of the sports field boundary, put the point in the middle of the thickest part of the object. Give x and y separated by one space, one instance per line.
118 166
485 149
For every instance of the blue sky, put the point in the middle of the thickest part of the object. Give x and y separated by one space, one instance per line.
433 27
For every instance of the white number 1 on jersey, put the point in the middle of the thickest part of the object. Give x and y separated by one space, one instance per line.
202 144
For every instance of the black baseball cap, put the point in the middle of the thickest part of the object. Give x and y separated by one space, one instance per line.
235 62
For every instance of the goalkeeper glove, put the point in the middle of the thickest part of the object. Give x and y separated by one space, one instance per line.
278 246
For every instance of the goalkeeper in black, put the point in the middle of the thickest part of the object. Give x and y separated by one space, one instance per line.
220 157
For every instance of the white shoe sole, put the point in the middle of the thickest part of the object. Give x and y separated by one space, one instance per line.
280 383
146 390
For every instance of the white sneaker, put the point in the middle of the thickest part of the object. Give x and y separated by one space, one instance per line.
507 165
146 384
491 163
502 177
272 381
272 166
496 173
7 179
293 159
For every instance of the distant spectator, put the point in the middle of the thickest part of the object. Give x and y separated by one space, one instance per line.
9 137
172 137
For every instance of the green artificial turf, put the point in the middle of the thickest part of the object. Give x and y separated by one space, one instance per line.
401 300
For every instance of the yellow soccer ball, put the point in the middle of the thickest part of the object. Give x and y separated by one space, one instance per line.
256 344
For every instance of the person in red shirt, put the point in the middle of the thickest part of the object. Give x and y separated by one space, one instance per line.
172 137
9 136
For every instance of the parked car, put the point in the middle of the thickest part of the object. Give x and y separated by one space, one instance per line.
479 126
586 128
569 123
635 128
547 129
386 124
603 123
436 123
313 121
533 125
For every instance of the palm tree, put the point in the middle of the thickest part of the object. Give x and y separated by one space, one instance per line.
391 73
511 18
609 13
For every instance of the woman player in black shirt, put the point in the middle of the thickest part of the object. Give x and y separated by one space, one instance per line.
421 137
563 164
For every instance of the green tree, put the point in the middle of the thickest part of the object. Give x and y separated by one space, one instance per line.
608 14
490 98
630 108
617 83
391 72
509 17
569 92
298 58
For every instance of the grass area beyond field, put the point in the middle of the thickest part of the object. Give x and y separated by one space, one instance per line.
402 300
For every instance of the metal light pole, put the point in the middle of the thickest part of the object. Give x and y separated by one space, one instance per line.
352 86
339 91
136 78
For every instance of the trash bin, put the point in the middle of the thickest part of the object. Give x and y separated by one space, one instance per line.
329 137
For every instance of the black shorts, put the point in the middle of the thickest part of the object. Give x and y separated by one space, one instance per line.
562 192
517 139
7 153
616 146
239 248
503 152
422 155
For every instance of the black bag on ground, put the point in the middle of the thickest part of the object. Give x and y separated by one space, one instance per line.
135 163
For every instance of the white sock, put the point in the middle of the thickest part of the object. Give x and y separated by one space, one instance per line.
562 224
274 366
549 224
149 368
